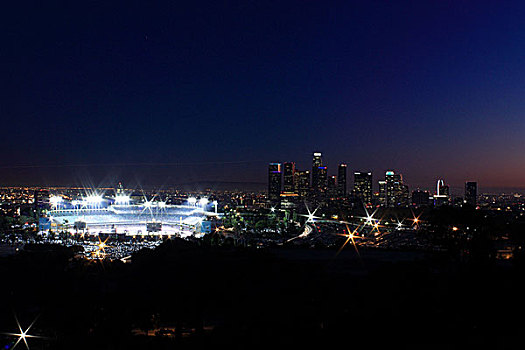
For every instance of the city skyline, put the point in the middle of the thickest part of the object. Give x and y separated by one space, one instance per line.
289 186
331 171
433 89
262 174
260 183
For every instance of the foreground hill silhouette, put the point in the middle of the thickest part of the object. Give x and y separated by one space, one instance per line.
196 296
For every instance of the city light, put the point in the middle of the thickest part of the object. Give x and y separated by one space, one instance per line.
311 215
350 237
369 219
192 200
94 199
55 200
100 251
122 199
203 201
416 221
77 203
23 335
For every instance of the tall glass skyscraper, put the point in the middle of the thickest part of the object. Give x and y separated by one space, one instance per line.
302 183
341 180
471 193
396 191
274 183
319 175
363 186
289 177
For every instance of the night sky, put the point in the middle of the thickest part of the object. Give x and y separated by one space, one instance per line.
97 91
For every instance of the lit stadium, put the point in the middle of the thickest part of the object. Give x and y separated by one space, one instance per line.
94 214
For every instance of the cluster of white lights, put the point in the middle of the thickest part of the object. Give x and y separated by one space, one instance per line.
122 199
94 199
56 200
201 202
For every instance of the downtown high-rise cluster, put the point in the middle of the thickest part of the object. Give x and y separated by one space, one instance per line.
288 185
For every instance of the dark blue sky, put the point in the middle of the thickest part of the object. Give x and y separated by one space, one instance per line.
429 88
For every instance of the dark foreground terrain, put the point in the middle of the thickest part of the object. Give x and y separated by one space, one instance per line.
185 296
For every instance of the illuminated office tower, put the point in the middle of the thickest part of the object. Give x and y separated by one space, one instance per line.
289 177
274 183
302 183
471 193
322 180
341 180
317 160
382 193
332 189
363 187
396 192
317 163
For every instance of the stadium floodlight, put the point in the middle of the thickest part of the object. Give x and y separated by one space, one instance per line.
148 204
55 200
162 204
203 201
192 200
122 199
77 202
94 199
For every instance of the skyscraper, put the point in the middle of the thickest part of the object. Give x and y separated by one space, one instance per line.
471 193
396 191
322 180
302 183
274 183
382 193
332 189
288 177
363 187
341 180
317 160
317 163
